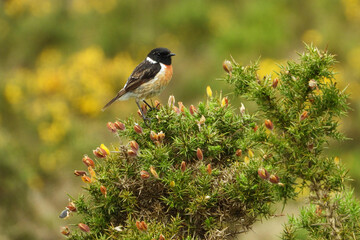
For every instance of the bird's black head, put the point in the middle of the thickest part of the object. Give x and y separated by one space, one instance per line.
162 55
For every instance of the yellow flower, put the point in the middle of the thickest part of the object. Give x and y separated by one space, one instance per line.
209 91
105 148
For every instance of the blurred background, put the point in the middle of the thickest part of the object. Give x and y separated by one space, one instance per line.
61 61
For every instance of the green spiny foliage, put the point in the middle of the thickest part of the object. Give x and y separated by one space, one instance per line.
210 171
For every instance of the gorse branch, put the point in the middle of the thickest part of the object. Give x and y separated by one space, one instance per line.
210 171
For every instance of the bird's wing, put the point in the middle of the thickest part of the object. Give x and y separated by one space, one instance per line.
144 72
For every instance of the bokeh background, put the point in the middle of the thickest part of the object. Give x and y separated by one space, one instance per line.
61 61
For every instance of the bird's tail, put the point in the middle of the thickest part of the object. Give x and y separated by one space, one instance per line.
119 95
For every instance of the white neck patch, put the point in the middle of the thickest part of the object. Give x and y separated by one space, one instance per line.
150 60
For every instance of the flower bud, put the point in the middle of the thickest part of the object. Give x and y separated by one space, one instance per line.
208 91
312 84
269 125
304 115
144 174
181 107
161 136
183 166
246 160
275 82
176 110
281 184
132 153
100 152
227 66
119 125
65 231
86 179
208 169
71 206
83 227
192 109
103 147
153 136
139 113
255 128
138 225
153 172
250 153
79 173
171 100
138 129
134 145
161 237
242 109
143 225
337 160
172 184
111 127
199 154
274 179
238 152
225 102
157 104
263 173
103 190
88 161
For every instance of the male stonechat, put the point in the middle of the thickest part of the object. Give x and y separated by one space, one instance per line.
148 79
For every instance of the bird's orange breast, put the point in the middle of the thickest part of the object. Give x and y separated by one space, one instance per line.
167 76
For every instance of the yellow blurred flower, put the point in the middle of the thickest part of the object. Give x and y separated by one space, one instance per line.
352 9
13 93
60 87
268 67
312 36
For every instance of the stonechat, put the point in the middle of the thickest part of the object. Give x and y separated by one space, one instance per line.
148 79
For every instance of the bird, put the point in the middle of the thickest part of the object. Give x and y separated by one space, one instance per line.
148 79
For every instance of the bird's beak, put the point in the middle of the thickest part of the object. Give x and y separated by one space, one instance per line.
171 54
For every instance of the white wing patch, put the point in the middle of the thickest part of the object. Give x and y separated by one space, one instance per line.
151 60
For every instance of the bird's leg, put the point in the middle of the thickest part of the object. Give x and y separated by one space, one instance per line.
146 120
150 107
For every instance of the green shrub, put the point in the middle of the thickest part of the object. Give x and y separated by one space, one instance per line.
210 171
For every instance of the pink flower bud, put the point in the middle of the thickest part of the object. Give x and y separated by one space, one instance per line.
269 125
238 153
88 161
209 169
192 109
274 179
227 66
171 100
119 125
134 145
183 166
199 154
263 173
79 173
83 227
144 174
103 190
65 231
275 82
138 129
111 127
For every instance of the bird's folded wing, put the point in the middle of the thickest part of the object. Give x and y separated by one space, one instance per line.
144 72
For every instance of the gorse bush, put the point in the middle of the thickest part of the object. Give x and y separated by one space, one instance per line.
210 171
